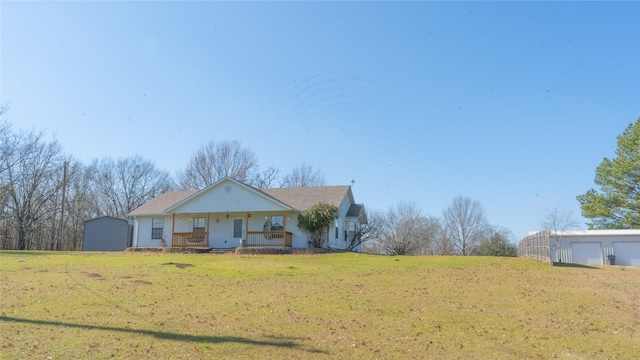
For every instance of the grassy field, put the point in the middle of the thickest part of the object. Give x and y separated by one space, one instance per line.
332 306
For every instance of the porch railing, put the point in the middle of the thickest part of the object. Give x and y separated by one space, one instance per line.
269 238
190 239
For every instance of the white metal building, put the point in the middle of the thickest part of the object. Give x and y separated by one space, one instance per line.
596 247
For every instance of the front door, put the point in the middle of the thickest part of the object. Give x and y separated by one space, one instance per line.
238 230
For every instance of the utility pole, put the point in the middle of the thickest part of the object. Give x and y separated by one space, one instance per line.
64 187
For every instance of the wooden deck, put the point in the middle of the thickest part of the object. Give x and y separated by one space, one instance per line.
190 239
254 238
269 238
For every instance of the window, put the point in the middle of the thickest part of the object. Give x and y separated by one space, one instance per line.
156 228
198 224
277 222
336 225
352 230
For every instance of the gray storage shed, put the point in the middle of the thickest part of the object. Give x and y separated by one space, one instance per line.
107 233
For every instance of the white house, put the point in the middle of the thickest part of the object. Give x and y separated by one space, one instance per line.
228 214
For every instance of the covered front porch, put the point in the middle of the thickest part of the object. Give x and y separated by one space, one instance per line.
231 230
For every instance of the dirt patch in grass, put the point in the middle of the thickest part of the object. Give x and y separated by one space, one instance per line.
142 282
178 265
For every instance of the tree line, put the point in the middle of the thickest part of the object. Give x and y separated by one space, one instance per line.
463 229
36 174
47 195
34 216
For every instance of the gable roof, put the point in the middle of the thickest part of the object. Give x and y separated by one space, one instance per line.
295 198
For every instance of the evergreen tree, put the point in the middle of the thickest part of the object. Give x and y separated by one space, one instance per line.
617 204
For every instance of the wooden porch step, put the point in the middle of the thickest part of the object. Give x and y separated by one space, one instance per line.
222 251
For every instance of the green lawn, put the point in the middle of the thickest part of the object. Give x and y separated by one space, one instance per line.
332 306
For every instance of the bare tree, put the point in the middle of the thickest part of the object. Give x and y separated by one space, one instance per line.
442 244
6 150
439 243
33 181
15 147
365 233
558 221
403 230
303 176
125 184
265 179
466 224
34 213
216 161
80 204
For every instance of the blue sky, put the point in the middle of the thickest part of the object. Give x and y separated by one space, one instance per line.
513 104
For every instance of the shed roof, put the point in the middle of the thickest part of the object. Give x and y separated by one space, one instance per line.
107 217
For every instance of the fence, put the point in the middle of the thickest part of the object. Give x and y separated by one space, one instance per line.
536 246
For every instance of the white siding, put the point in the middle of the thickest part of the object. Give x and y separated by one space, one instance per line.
220 228
142 231
340 243
184 222
300 239
229 197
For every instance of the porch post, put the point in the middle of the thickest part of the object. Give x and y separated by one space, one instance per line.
284 229
173 227
207 228
284 222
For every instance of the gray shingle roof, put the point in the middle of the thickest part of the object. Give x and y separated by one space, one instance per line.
160 203
305 197
298 198
354 210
